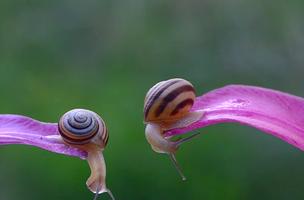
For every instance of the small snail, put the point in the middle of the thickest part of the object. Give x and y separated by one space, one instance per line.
167 106
86 130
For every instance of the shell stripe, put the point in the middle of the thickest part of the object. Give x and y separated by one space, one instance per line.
181 105
170 97
104 134
76 140
156 94
105 140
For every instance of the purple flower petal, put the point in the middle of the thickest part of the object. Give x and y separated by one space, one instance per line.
17 129
273 112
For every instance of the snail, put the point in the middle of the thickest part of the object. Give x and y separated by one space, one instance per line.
86 130
167 106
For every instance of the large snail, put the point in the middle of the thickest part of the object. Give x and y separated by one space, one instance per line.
167 106
86 130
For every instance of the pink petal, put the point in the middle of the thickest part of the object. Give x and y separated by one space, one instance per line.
273 112
17 129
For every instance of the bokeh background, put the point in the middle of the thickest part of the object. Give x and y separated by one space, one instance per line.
104 55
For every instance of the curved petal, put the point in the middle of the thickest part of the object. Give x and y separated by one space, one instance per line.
273 112
17 129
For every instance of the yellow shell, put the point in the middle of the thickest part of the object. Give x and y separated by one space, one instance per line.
168 101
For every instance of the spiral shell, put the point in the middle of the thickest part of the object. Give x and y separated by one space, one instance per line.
80 126
169 100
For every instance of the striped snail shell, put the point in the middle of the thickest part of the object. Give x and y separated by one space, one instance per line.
80 126
168 101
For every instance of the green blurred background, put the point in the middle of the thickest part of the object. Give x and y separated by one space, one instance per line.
104 55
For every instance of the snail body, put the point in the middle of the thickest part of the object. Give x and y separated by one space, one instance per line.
86 130
167 106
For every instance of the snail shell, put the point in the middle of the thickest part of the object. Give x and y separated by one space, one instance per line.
80 126
168 101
